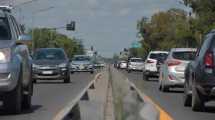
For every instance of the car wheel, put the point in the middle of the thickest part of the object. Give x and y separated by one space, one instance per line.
145 77
67 79
92 72
12 102
187 97
34 81
72 72
197 101
164 88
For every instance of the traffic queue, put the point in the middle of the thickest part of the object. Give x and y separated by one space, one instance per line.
192 69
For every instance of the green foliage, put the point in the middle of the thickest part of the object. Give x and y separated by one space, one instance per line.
166 30
47 38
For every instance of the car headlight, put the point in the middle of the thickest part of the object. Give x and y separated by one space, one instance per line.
5 55
35 66
62 65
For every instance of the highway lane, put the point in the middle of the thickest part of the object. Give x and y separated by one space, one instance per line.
51 96
171 102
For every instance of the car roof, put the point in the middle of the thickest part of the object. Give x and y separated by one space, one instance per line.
49 49
81 56
135 58
159 52
6 8
183 49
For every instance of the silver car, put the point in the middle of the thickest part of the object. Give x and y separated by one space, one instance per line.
172 71
81 63
135 64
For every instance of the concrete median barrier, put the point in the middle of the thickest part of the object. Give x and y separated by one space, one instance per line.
132 104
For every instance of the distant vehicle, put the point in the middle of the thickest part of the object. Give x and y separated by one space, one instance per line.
135 64
199 85
172 71
99 64
82 63
16 87
51 64
150 65
122 64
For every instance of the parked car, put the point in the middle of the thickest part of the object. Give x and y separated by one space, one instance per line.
16 88
51 64
82 63
150 65
199 85
172 71
135 64
122 64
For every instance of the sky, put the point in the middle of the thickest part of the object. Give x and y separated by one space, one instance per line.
108 25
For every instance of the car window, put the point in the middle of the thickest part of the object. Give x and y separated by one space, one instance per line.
158 56
49 55
5 33
81 58
136 60
185 55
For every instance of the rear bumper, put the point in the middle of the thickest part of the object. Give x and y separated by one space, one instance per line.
135 68
151 73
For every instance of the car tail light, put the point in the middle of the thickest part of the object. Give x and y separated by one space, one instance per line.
208 60
150 61
173 62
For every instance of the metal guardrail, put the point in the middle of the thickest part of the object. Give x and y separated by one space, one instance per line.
71 111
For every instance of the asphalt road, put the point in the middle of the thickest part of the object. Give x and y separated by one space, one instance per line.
52 96
171 102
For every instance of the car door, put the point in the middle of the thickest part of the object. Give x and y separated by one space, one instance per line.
23 51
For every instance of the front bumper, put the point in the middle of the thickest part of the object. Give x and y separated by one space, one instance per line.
9 76
50 74
83 68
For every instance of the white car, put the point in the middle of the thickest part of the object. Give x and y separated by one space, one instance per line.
172 71
122 64
135 64
150 66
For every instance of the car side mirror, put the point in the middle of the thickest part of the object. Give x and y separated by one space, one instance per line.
24 39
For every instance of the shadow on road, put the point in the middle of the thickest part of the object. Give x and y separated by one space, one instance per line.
32 110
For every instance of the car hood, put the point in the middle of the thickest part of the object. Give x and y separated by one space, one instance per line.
49 62
6 43
81 62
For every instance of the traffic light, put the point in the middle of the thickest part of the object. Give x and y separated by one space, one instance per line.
71 26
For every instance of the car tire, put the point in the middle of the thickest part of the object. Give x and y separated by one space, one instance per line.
34 81
145 77
72 72
67 79
164 88
197 101
187 97
12 102
92 72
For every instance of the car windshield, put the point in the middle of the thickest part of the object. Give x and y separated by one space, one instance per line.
49 54
136 60
4 29
81 58
158 56
185 55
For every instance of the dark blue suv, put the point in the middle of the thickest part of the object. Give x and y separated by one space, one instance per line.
199 85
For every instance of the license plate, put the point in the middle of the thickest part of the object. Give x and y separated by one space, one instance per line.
81 67
47 72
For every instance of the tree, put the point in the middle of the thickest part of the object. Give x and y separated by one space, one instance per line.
47 38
